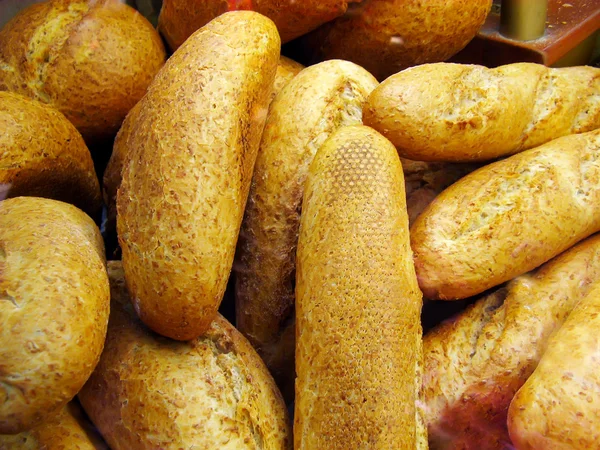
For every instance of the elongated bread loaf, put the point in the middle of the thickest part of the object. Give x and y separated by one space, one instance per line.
454 112
508 218
192 154
475 363
558 408
150 392
358 353
313 105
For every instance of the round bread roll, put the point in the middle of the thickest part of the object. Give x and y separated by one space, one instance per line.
149 392
43 155
68 430
54 305
386 36
92 60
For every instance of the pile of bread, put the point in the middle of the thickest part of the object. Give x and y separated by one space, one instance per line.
336 202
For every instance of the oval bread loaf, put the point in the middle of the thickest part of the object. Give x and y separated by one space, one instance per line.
358 354
475 363
90 59
508 218
192 153
559 405
286 70
150 392
54 305
43 155
68 430
386 36
315 103
454 112
178 19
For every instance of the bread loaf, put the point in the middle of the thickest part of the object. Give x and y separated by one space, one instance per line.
508 218
358 352
54 305
559 405
475 363
68 430
90 59
454 112
314 104
180 18
213 392
43 155
386 36
190 163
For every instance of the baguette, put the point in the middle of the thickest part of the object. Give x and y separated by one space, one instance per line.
149 392
358 353
43 155
508 218
325 96
192 152
178 19
386 36
286 70
453 112
475 363
559 405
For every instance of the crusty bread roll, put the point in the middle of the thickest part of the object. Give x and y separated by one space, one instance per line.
558 408
475 363
315 103
149 392
386 36
178 19
424 181
286 70
68 430
43 155
192 154
358 353
54 305
90 59
454 112
508 218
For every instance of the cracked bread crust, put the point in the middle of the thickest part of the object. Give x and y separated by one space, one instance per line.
152 392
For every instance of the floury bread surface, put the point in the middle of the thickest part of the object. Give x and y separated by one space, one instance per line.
508 218
358 350
313 105
457 112
150 392
187 176
475 362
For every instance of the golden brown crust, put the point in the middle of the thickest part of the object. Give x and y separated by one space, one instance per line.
286 70
152 392
386 36
54 304
67 430
454 112
358 304
508 218
178 19
43 155
192 153
476 362
313 105
558 408
91 60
